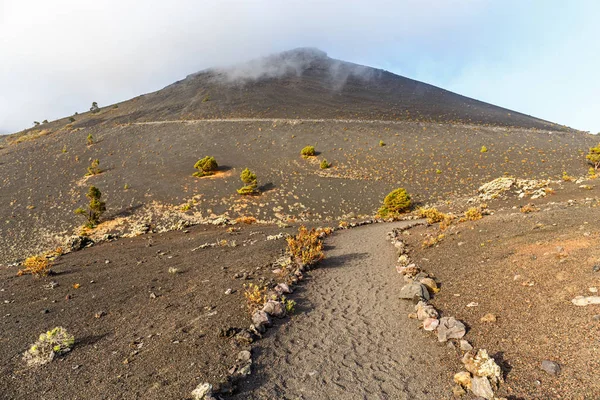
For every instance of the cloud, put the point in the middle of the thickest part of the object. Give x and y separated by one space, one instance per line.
57 57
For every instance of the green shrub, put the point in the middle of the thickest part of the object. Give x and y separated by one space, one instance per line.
593 157
94 168
96 207
71 119
325 164
90 139
394 204
483 149
381 143
94 108
50 344
206 166
250 182
45 121
308 151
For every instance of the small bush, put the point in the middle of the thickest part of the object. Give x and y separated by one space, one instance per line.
529 208
473 214
94 108
394 204
290 305
325 164
432 214
566 177
71 119
308 151
90 140
206 166
381 143
96 207
433 240
45 121
50 344
255 296
306 247
245 220
250 181
37 266
593 157
94 168
483 149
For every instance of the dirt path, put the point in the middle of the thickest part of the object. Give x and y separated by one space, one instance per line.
351 339
298 121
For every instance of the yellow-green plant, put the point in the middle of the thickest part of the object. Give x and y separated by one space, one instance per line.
36 266
49 345
593 157
250 182
206 166
94 168
483 149
325 164
306 247
308 151
90 140
96 207
395 203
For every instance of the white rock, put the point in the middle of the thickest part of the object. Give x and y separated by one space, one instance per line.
585 300
480 386
202 391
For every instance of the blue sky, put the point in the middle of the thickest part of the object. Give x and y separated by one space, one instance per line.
538 57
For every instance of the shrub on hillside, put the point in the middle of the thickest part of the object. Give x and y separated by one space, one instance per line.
325 164
306 247
308 151
473 214
49 345
433 215
483 149
394 204
206 166
37 266
90 139
250 183
94 108
94 168
593 157
96 207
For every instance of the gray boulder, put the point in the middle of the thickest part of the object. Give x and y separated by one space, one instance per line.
414 290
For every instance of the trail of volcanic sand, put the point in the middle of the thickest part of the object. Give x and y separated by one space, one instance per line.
351 338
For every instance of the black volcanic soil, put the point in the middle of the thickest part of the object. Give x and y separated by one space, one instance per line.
525 268
143 347
43 179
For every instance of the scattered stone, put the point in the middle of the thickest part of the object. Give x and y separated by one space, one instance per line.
99 314
481 364
472 304
45 311
463 378
244 337
596 268
585 300
430 324
410 270
425 311
414 290
465 345
244 356
202 392
51 285
488 318
403 260
551 367
229 291
152 295
274 308
261 320
458 391
245 370
450 328
480 386
283 288
430 284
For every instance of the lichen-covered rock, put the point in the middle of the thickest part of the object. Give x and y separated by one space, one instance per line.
463 378
202 392
481 364
425 311
414 290
430 284
403 260
450 328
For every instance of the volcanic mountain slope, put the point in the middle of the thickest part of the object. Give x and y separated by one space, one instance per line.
378 130
305 83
